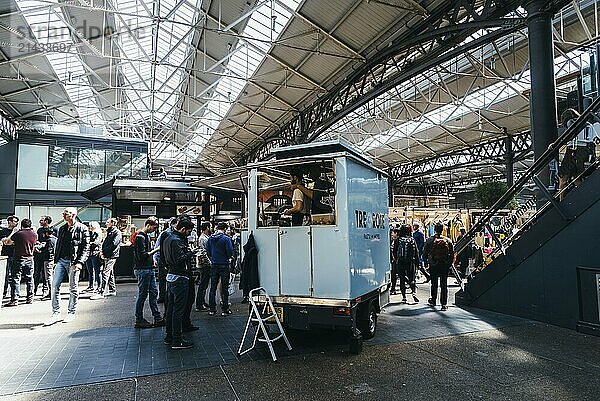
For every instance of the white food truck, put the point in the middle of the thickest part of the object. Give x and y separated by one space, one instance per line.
333 271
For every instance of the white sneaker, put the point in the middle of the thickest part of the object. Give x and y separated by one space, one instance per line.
97 296
55 318
69 318
111 294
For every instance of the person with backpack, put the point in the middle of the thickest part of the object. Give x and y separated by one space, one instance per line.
438 254
407 260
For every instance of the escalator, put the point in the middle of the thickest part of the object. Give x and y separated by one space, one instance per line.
549 268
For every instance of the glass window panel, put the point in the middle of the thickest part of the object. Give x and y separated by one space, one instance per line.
90 169
118 164
274 194
33 167
106 213
62 168
90 214
35 212
22 212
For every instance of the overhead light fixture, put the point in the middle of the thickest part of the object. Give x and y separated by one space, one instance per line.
167 198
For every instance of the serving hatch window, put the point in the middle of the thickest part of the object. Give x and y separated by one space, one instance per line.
297 194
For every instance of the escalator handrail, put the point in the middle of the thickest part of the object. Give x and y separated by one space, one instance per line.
510 239
535 168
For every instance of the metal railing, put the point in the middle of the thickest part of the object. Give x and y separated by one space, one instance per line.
484 224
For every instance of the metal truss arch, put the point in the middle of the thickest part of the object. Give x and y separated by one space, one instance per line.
426 44
265 149
486 154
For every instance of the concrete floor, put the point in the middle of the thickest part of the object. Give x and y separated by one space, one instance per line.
515 359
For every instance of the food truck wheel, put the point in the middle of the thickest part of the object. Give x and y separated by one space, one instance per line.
368 322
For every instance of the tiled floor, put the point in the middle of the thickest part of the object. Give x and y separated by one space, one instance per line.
37 357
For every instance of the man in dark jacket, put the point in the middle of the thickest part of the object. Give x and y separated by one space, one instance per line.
111 247
177 257
8 250
24 241
419 238
144 272
203 266
407 261
48 241
72 250
160 263
219 248
38 263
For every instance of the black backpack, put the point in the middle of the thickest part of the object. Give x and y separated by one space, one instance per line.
406 250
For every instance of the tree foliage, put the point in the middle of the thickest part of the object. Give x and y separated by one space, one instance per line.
487 194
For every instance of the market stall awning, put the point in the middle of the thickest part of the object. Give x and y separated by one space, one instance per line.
234 181
139 189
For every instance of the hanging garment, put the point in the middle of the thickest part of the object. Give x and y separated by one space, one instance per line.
249 279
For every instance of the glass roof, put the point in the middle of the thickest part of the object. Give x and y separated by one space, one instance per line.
478 100
48 27
154 44
264 26
423 83
147 71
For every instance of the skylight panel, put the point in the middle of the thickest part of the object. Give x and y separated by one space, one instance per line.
137 73
423 82
172 49
48 27
478 100
264 25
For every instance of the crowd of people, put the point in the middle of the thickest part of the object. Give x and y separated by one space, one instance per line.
166 272
169 270
411 253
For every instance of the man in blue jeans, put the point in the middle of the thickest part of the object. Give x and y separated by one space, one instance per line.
24 241
219 248
204 267
178 258
109 253
71 253
144 272
8 250
160 263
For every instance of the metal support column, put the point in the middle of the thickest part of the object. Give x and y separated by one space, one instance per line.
205 206
510 159
391 188
543 88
